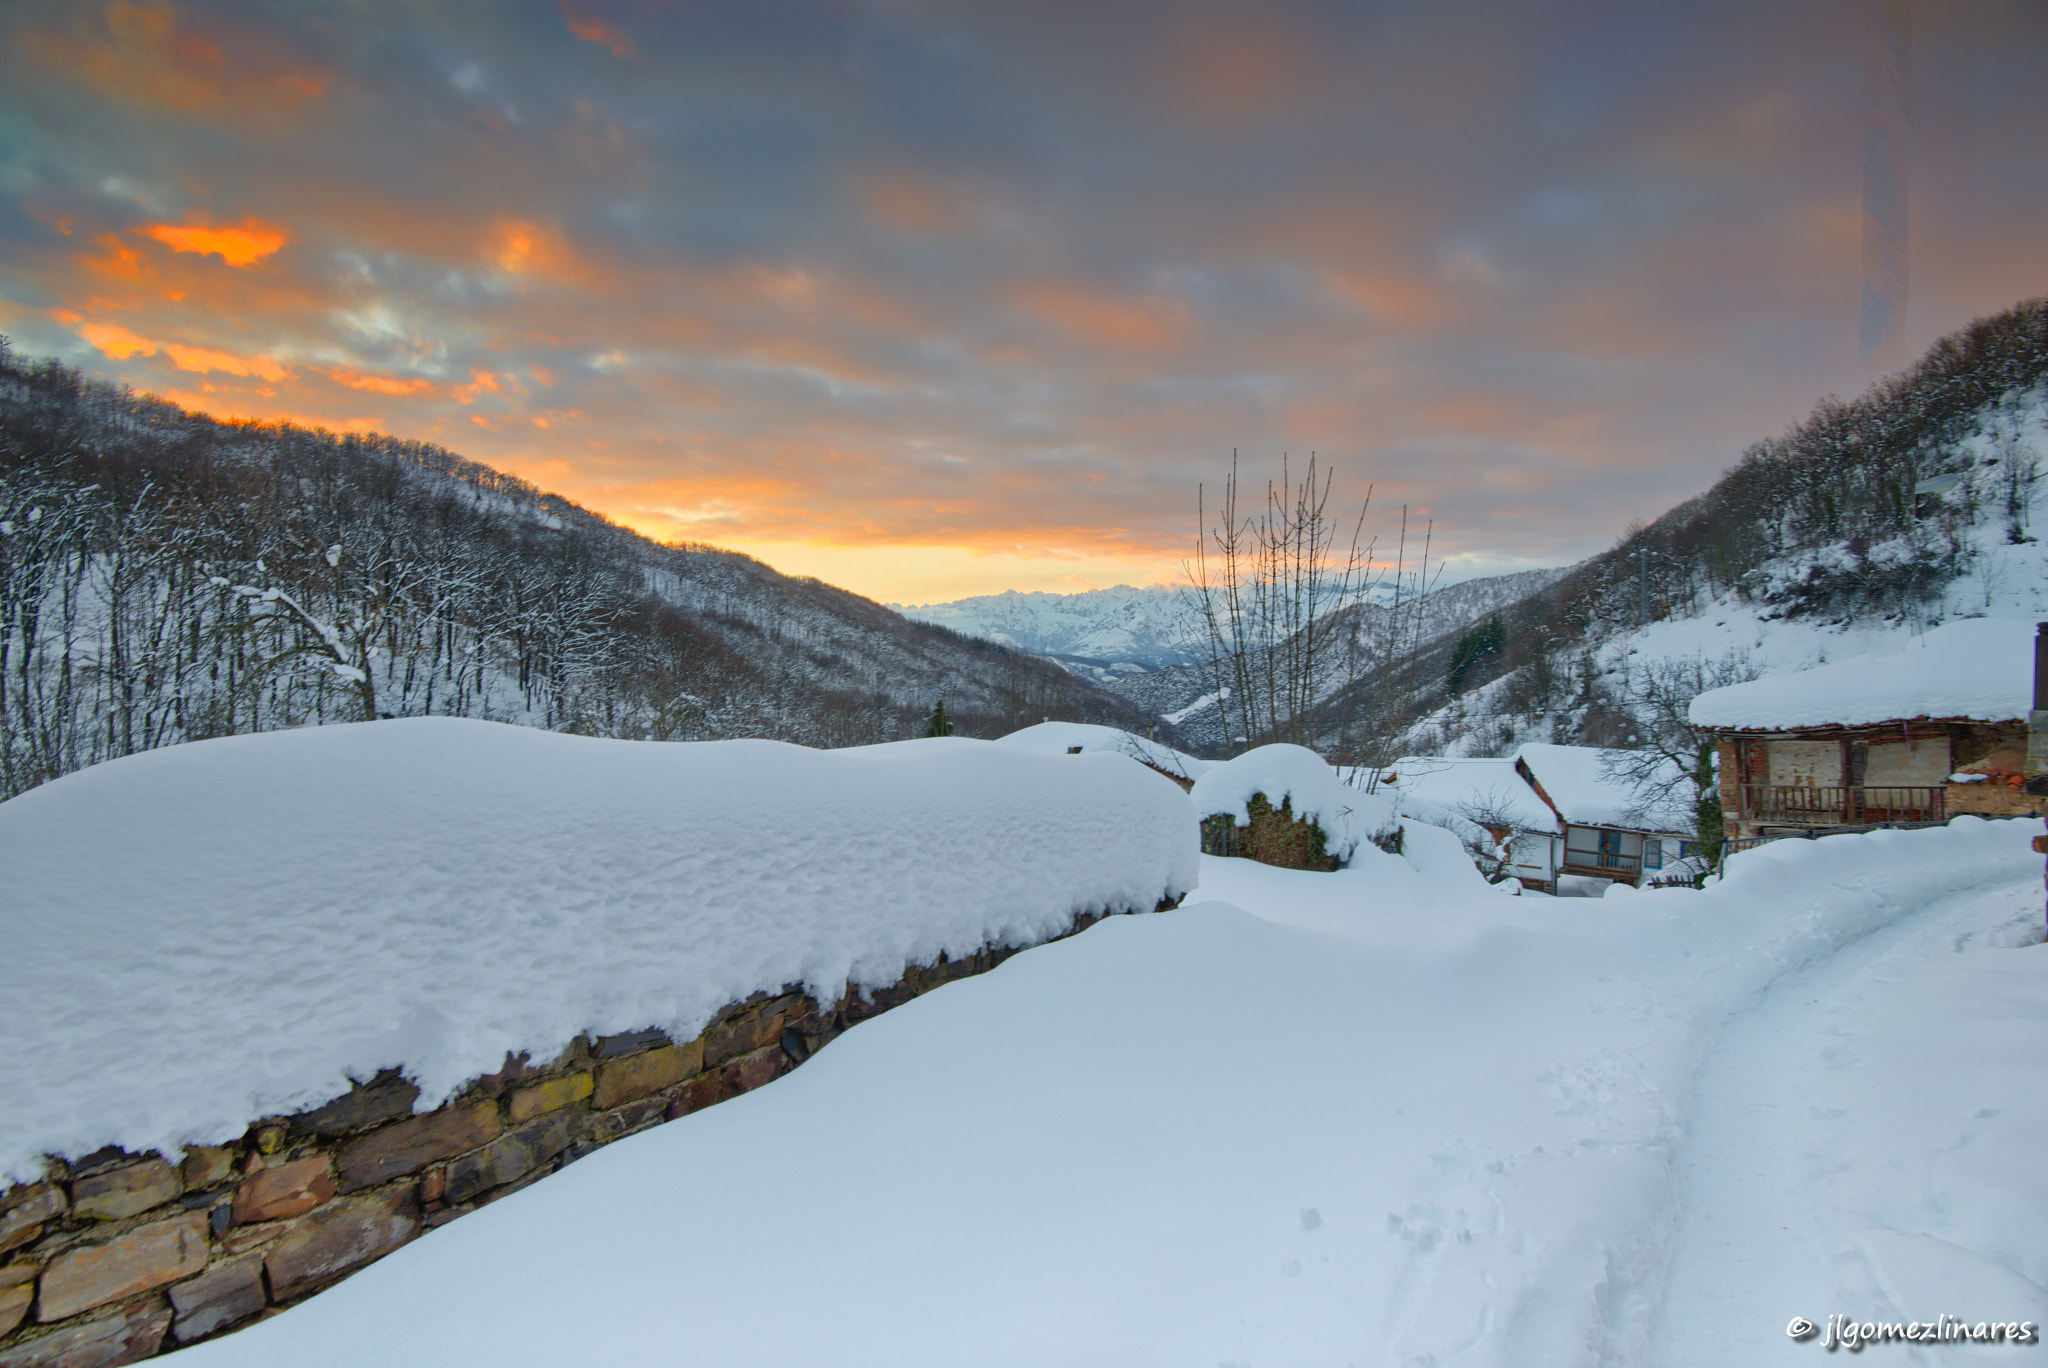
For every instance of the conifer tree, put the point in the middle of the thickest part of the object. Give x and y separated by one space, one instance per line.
941 725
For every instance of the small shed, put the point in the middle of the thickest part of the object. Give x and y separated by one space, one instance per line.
1610 829
1546 811
1929 729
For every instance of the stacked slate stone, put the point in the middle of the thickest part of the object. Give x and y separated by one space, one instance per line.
115 1257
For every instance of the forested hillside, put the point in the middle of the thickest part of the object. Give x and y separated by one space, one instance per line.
168 577
1906 505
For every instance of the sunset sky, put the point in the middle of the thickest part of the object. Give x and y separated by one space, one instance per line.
935 299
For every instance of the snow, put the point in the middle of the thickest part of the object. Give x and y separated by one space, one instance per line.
1365 1118
1207 700
209 933
1578 781
1060 738
1150 627
1296 776
1455 792
1979 668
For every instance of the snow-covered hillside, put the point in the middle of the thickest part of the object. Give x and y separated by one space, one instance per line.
1975 546
1364 1118
166 577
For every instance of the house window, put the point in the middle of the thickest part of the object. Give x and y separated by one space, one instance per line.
1653 853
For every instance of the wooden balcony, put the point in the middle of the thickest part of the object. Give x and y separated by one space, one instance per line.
1800 805
1602 864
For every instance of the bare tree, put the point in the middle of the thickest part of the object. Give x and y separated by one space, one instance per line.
1269 589
1672 765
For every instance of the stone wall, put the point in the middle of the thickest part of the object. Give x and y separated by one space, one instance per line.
1992 800
1274 836
115 1257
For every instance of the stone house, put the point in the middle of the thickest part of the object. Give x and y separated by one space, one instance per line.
1919 734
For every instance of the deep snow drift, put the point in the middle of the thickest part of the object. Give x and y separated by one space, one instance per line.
1359 1118
198 936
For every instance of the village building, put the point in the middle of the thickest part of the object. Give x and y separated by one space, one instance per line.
1549 812
1915 735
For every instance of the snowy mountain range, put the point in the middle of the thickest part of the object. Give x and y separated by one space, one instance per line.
1123 629
1111 634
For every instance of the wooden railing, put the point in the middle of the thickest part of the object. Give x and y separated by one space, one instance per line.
1820 805
1595 862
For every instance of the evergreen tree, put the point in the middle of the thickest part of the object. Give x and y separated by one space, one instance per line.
941 725
1481 644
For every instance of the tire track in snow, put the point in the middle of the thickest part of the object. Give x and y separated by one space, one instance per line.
1756 1243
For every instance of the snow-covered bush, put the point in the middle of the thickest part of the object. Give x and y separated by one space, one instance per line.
1281 804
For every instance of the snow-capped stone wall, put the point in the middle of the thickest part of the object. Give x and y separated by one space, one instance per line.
237 967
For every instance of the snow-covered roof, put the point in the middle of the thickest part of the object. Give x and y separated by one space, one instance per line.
1581 784
1298 778
1979 668
1060 738
1456 792
208 933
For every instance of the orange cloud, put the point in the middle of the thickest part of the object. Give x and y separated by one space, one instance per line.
1395 297
118 261
116 341
141 54
1141 325
243 246
120 343
592 29
480 382
204 360
379 384
520 248
910 202
1226 65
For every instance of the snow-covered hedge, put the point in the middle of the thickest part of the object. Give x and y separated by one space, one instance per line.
202 935
1295 777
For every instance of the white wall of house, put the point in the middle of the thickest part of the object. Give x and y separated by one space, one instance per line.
1805 764
1903 763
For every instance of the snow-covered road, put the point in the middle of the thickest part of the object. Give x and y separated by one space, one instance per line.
1841 1099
